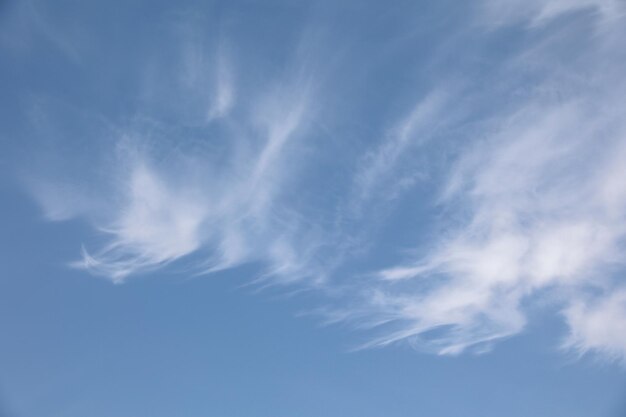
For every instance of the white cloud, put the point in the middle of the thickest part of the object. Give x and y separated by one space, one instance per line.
156 198
540 214
599 325
154 224
536 204
534 201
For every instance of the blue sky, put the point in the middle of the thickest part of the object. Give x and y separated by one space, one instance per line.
312 208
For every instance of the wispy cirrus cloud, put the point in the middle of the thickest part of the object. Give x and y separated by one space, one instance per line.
519 177
534 210
160 210
534 215
212 184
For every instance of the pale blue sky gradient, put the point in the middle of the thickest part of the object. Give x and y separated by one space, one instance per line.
293 209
